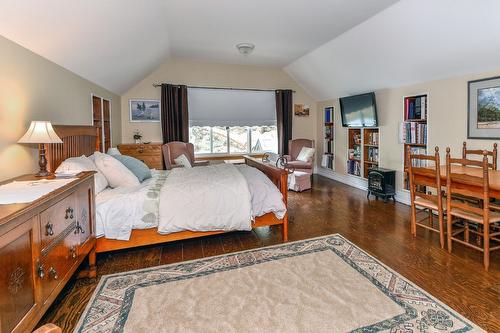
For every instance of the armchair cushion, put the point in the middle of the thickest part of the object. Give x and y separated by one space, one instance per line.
306 154
183 160
300 165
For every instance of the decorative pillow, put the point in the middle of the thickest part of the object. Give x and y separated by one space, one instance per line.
83 163
138 168
183 160
116 173
306 154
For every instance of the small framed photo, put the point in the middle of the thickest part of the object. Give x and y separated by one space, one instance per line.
483 120
144 110
301 110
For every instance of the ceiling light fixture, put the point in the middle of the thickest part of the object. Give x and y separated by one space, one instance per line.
245 48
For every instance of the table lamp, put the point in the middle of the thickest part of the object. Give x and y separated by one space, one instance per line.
41 132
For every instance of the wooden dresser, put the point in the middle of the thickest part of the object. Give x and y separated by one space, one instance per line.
41 245
151 154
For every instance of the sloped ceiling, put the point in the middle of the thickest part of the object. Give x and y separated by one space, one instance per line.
409 42
116 43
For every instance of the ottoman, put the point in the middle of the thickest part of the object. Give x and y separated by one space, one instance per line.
299 181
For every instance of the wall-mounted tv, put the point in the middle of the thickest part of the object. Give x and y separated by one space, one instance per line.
359 110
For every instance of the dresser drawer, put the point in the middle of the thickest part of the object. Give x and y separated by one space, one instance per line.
57 218
57 260
140 150
153 162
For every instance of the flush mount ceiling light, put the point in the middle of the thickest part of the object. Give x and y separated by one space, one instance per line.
245 48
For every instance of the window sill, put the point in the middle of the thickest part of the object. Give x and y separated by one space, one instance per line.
213 157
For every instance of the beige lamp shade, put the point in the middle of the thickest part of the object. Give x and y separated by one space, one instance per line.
40 132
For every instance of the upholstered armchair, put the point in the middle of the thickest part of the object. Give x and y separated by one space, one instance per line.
294 148
172 150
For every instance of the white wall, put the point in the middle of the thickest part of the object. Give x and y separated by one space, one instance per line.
194 73
33 88
447 121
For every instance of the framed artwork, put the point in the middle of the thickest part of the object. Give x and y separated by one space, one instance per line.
301 110
144 110
483 120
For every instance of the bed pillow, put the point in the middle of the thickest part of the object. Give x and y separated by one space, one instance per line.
306 154
83 163
183 160
138 168
115 172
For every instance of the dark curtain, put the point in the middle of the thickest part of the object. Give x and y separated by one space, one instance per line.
284 119
174 113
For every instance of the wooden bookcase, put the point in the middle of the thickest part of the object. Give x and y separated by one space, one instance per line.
327 160
370 149
354 152
414 127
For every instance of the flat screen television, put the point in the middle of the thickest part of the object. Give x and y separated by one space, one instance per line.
359 110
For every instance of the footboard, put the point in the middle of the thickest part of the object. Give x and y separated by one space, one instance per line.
277 175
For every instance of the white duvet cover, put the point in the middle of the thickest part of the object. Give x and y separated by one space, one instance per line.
218 197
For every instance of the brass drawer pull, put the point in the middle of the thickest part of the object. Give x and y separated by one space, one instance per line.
69 213
53 273
40 271
72 252
140 150
49 229
79 229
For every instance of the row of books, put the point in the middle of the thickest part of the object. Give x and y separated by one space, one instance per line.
372 154
353 168
329 146
415 133
327 161
328 132
372 138
418 151
416 108
329 115
355 153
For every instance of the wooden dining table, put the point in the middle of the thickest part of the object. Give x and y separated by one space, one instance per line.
493 175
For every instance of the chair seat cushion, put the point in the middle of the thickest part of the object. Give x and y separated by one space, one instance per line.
494 216
299 165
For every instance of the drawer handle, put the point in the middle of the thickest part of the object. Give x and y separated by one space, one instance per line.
69 213
140 150
72 252
49 229
79 229
40 271
53 273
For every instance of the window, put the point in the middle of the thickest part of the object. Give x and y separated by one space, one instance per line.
223 121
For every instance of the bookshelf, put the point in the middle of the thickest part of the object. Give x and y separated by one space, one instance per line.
354 151
327 160
370 149
414 127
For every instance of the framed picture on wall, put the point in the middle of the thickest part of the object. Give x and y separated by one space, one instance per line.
483 120
301 110
144 110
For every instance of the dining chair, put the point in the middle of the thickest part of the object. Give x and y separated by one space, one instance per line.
461 183
423 178
478 152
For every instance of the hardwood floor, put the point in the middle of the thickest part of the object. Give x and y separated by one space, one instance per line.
382 230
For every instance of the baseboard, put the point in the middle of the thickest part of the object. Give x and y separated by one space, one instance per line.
402 196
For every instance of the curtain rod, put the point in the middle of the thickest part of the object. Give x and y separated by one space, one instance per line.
156 85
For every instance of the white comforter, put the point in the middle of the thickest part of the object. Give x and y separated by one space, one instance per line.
219 197
205 198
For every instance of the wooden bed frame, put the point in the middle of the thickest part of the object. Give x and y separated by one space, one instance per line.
83 140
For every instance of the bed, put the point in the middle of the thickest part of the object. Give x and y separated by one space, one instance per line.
83 140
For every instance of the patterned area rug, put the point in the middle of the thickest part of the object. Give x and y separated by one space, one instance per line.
325 284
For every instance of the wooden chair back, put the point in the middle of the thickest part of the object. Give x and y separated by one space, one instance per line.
467 185
422 176
479 152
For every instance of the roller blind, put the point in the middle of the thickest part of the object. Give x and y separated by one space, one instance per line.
225 107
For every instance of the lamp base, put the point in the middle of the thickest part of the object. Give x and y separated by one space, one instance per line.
43 173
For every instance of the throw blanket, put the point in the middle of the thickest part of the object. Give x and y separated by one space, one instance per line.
205 198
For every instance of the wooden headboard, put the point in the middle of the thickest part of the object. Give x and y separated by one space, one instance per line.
77 141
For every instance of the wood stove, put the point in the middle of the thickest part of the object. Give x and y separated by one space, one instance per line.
382 183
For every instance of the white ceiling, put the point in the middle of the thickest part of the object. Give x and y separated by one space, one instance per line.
412 41
116 43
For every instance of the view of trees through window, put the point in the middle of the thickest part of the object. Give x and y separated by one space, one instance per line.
233 139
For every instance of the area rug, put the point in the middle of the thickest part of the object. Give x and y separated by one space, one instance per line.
325 284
